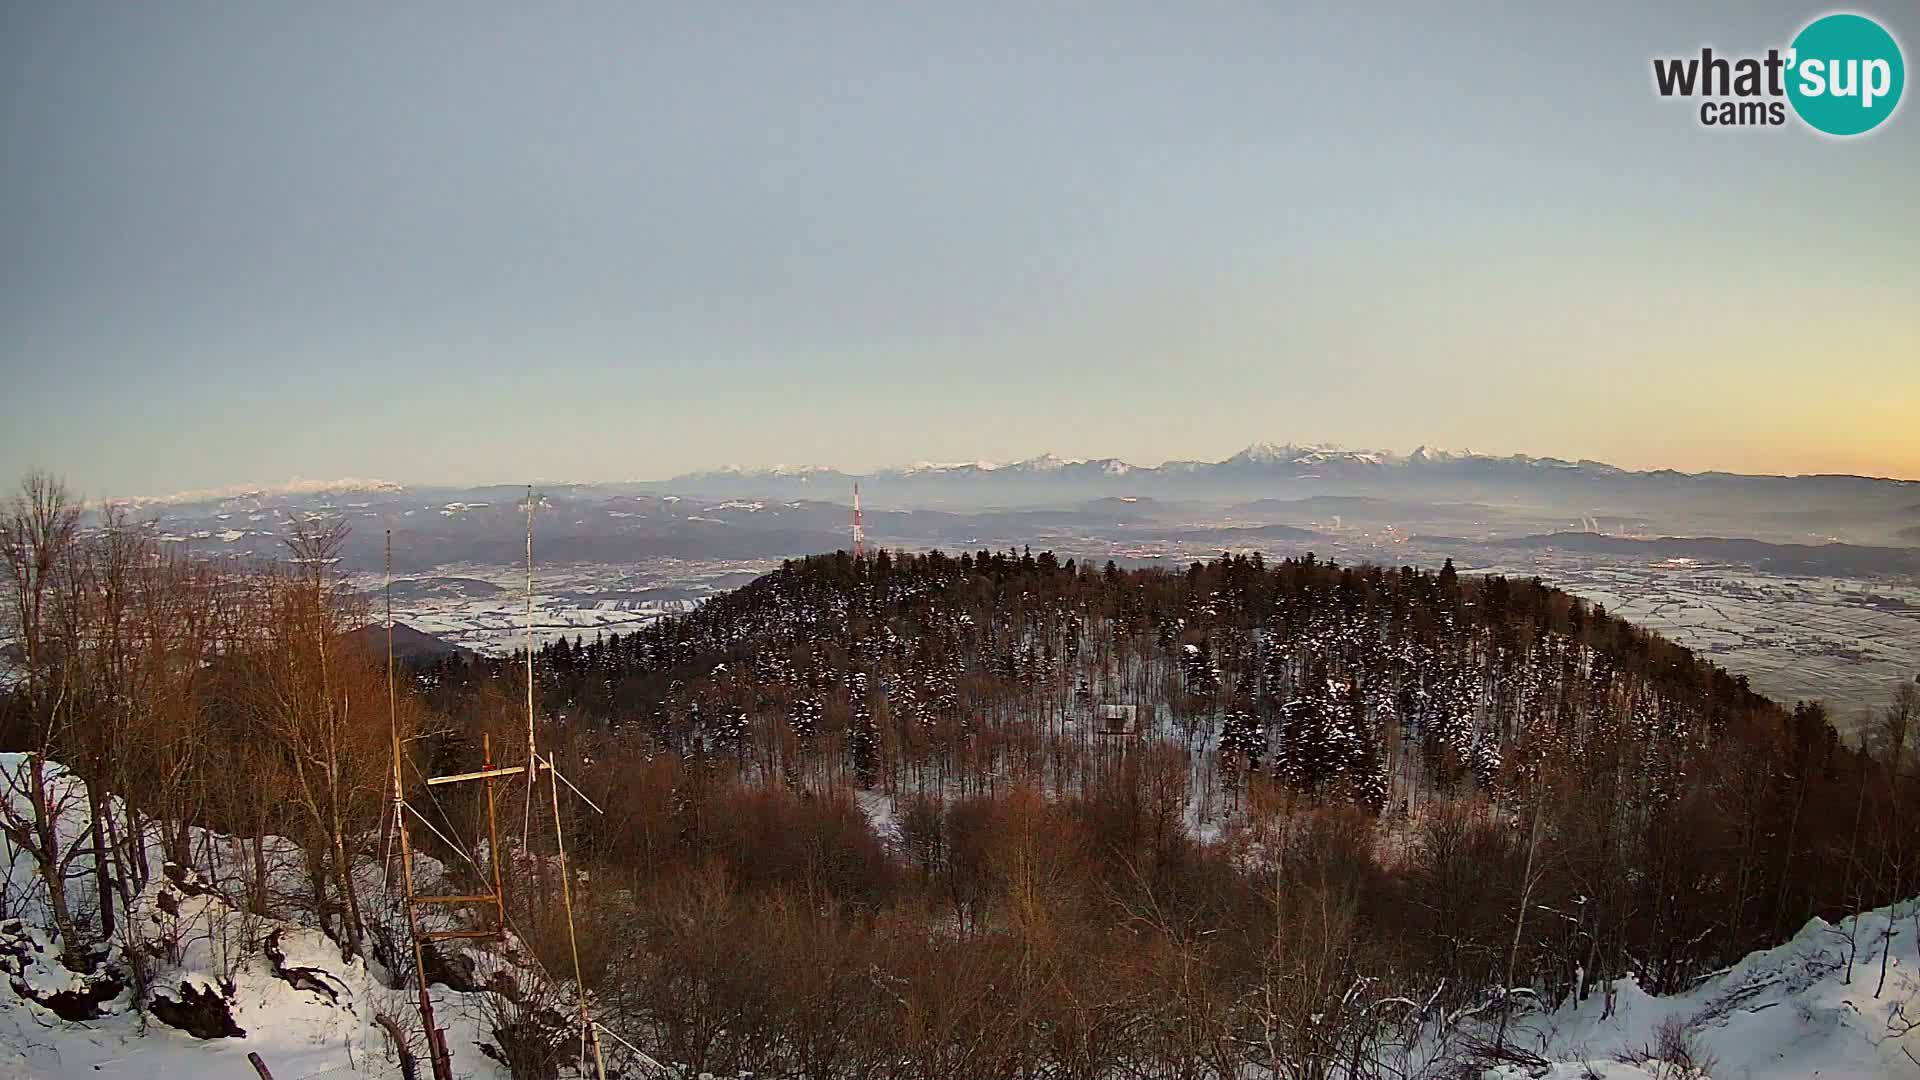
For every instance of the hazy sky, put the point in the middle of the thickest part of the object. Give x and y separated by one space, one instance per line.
244 242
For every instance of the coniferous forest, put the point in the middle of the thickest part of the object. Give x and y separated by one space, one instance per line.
985 815
1330 800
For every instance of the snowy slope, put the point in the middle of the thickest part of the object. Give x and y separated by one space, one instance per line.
302 1007
1785 1012
1791 1011
324 1025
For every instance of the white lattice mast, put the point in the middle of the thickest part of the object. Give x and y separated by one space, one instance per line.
859 533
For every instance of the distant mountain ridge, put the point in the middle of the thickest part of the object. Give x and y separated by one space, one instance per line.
739 513
1267 470
1305 461
1261 461
1831 558
263 492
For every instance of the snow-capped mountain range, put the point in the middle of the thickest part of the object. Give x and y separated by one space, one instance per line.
1317 458
748 513
1260 464
262 493
1707 503
1289 462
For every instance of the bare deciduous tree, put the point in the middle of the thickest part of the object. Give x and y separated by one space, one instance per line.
37 534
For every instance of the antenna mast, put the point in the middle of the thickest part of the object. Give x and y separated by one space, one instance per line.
859 534
487 774
436 1039
589 1031
437 1052
532 755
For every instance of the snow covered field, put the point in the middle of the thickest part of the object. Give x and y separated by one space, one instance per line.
1844 641
483 607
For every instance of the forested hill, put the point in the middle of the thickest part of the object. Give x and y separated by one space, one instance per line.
1353 682
1293 683
1494 737
924 816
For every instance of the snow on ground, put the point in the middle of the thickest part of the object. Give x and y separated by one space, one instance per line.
1586 1071
483 607
883 813
298 1032
302 1007
1779 1014
321 1020
1797 1010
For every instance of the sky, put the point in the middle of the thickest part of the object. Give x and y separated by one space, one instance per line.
494 242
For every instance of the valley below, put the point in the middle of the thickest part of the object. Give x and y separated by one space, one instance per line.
1840 640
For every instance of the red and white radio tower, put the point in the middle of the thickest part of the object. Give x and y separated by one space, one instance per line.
859 534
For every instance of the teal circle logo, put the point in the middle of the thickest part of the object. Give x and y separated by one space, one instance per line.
1845 74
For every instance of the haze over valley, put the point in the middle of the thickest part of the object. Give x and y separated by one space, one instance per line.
1808 585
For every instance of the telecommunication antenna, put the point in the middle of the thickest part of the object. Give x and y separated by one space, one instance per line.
436 1041
859 533
589 1031
532 754
437 1053
496 926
